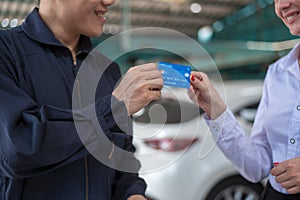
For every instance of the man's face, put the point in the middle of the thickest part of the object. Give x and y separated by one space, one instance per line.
85 17
288 11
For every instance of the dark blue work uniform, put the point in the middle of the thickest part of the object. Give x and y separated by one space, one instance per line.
42 156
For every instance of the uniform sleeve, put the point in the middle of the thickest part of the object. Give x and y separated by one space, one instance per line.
36 139
128 183
119 124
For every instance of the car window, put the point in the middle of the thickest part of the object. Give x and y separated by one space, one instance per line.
168 111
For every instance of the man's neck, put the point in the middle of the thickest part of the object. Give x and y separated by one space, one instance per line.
60 31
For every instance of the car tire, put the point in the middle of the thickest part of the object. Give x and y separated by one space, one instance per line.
235 187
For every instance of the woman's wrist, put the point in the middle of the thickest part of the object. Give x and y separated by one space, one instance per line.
216 111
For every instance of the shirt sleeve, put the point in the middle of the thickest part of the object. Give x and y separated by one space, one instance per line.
251 155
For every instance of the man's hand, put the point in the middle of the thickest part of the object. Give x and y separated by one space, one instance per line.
139 86
136 197
287 173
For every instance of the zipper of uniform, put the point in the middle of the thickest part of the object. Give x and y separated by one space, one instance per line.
85 158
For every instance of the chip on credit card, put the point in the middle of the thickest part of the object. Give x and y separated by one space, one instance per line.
175 75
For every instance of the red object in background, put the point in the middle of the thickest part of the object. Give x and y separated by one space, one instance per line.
171 144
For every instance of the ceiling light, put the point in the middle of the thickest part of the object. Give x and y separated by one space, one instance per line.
196 8
205 34
14 23
4 22
218 26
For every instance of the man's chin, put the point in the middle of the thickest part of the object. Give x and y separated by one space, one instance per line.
95 33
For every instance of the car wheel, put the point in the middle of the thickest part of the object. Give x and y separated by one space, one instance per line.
236 188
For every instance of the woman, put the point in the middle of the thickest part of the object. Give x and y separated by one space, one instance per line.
273 149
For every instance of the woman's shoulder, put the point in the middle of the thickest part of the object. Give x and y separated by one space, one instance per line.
285 61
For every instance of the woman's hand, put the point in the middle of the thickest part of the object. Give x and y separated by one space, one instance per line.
203 93
287 173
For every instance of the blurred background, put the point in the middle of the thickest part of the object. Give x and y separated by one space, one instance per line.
242 36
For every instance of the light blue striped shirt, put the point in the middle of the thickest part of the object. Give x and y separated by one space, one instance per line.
275 135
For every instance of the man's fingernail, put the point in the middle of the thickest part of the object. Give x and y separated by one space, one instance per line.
276 163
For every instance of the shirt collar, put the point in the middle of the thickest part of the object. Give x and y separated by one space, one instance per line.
292 56
37 30
290 61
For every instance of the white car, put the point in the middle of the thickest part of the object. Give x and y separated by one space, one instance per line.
179 158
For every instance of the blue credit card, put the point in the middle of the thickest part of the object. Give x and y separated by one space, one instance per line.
175 75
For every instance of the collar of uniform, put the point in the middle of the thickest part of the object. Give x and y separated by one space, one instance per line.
37 30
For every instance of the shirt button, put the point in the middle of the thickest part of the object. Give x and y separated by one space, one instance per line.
215 128
298 107
292 141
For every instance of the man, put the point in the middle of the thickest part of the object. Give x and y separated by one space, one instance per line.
42 155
